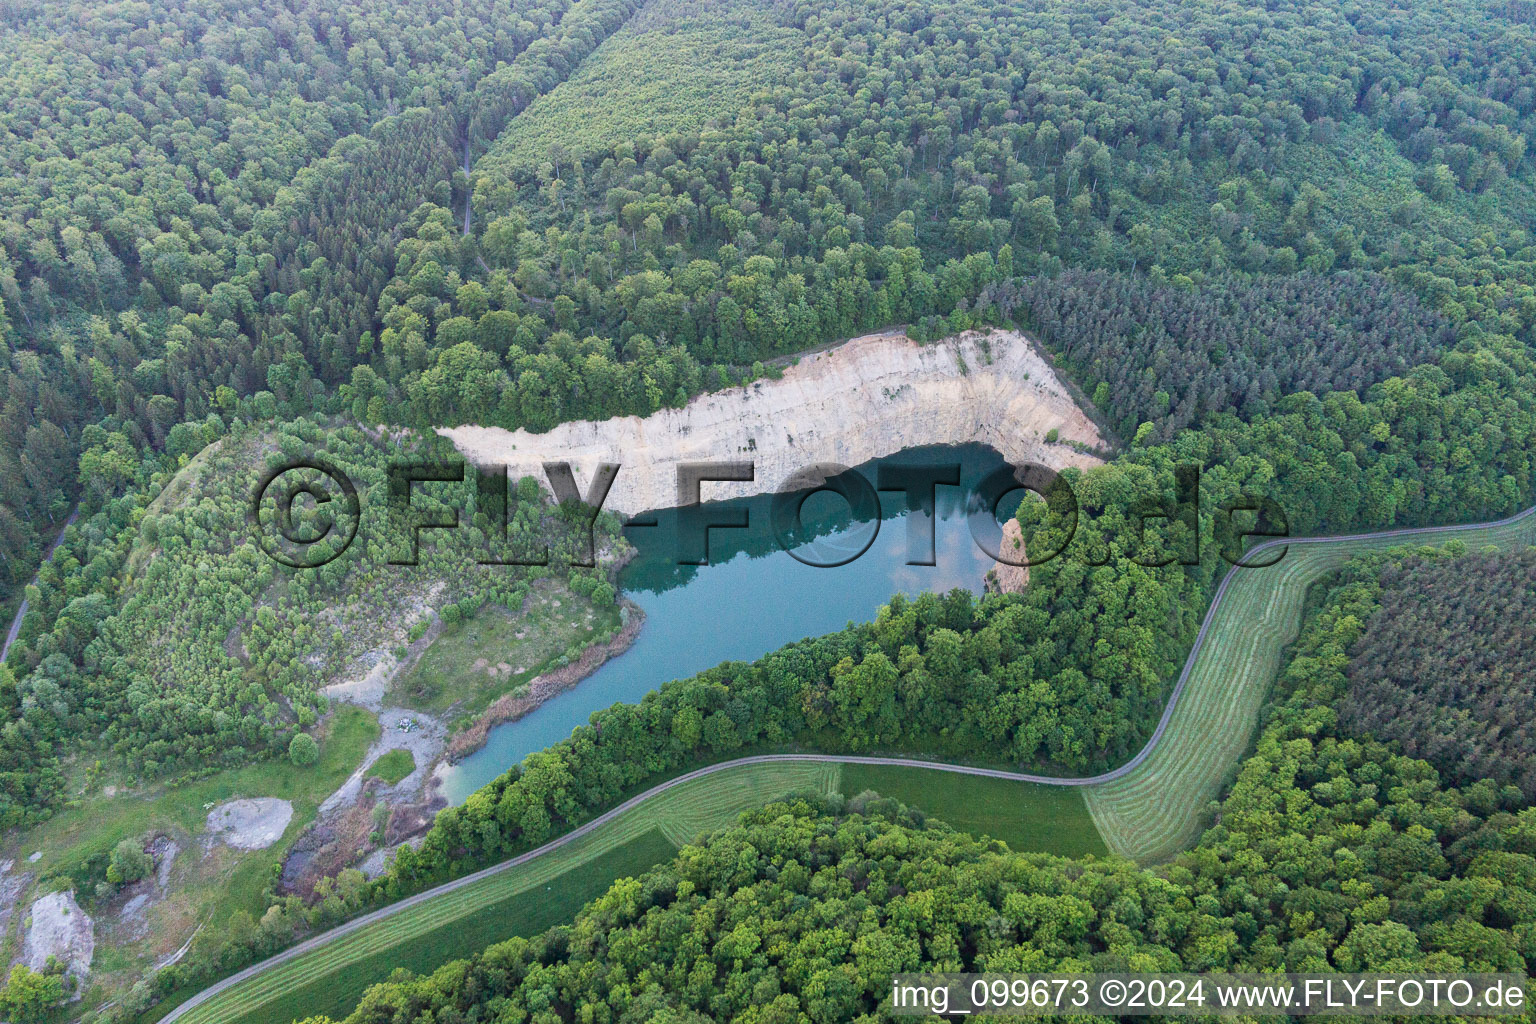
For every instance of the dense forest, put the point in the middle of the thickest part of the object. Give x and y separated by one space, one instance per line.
208 198
1290 245
1445 667
1331 854
193 182
1174 356
902 172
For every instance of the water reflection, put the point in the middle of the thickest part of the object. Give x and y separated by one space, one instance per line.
753 597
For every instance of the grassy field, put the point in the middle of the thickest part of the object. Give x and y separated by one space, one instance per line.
673 68
676 817
392 767
98 823
1159 808
1052 819
525 913
204 888
473 662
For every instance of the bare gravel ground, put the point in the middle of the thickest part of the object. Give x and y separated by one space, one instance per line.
250 824
424 739
367 689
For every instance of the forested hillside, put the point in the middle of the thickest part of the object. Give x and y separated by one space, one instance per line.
1444 667
1176 356
227 210
622 277
215 652
918 158
1331 854
190 186
1291 245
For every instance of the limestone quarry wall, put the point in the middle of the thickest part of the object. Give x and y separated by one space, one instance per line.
862 400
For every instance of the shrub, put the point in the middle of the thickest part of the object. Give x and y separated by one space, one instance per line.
303 750
129 862
30 995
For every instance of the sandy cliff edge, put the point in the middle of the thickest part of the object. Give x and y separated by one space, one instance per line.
862 400
1004 577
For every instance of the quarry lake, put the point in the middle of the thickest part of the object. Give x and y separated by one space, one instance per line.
754 596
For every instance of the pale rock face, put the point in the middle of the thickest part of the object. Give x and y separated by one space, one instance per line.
1005 577
868 398
59 928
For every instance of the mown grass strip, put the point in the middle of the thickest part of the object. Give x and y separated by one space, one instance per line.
336 992
1159 808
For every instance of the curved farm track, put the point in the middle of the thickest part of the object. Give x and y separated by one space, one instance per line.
1146 809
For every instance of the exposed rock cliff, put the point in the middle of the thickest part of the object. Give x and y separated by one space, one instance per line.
1004 578
862 400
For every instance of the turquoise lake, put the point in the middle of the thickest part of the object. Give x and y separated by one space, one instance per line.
753 597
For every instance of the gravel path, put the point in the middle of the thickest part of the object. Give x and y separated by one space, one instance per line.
21 612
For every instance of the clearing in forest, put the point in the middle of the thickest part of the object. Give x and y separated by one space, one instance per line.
1050 819
672 69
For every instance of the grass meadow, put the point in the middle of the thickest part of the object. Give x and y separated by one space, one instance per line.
1051 819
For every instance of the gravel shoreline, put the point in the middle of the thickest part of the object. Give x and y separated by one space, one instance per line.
514 706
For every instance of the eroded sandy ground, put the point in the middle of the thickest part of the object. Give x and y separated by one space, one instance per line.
1004 577
142 896
868 398
367 689
11 888
424 740
250 824
344 825
374 673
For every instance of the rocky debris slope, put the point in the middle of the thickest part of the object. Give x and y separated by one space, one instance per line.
11 888
512 706
868 398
